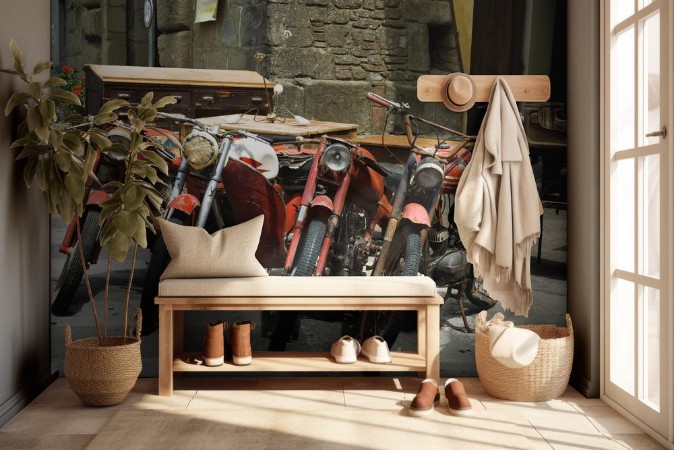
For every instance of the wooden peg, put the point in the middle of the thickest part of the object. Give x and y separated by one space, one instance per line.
525 88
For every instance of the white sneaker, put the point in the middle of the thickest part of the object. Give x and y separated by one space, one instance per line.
345 350
375 349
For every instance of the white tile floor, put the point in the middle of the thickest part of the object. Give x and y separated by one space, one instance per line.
57 419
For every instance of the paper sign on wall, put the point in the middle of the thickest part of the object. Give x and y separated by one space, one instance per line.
206 10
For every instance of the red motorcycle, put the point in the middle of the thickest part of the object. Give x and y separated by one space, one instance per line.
223 179
108 167
342 202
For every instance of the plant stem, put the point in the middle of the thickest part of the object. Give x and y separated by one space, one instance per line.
105 298
88 284
128 289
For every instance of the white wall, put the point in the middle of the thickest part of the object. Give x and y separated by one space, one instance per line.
24 230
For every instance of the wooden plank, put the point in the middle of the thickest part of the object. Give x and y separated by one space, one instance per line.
525 88
302 362
165 350
394 141
180 76
259 125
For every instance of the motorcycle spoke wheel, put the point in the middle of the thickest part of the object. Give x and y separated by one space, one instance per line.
65 303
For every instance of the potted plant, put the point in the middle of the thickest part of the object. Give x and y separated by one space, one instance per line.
58 156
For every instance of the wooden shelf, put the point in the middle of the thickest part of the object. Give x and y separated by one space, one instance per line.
302 362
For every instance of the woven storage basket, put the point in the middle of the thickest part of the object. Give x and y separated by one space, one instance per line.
544 379
103 375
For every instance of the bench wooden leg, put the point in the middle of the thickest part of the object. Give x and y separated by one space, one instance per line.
433 341
165 350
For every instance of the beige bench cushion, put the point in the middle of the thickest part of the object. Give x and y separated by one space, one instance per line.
299 287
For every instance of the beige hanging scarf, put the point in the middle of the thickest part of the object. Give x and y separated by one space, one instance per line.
498 209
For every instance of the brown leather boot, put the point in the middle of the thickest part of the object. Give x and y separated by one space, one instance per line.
425 398
214 344
239 336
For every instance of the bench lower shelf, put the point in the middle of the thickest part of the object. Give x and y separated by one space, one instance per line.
302 362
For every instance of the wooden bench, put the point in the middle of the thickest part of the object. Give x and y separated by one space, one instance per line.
293 293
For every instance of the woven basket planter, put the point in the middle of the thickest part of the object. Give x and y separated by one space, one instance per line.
103 375
544 379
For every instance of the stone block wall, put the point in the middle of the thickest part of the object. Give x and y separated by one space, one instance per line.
326 53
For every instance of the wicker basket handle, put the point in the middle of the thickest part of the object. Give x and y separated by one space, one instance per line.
138 316
569 325
69 336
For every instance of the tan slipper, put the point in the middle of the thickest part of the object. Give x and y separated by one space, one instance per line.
457 400
425 398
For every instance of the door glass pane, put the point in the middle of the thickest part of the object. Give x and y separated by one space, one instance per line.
622 215
622 337
650 80
649 236
644 3
650 301
622 107
621 10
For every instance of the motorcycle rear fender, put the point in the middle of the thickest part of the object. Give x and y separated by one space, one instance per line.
186 203
322 200
416 213
96 197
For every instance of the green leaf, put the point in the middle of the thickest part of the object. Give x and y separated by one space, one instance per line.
75 186
48 110
35 89
106 212
147 99
116 148
55 82
106 232
168 100
125 222
30 138
101 119
100 139
137 123
156 160
16 99
63 161
74 118
140 235
112 105
41 175
29 171
89 162
18 60
73 143
118 246
41 66
133 198
147 114
56 138
35 124
65 96
30 151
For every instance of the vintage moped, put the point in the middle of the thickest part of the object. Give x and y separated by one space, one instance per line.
224 178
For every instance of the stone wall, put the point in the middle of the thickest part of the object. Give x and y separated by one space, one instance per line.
326 53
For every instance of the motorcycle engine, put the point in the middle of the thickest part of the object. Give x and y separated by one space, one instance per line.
352 247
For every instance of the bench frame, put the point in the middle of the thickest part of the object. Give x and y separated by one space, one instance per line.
172 358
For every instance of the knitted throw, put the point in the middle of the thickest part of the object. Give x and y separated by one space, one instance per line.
498 209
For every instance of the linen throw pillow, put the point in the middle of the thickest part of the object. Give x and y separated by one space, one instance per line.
227 253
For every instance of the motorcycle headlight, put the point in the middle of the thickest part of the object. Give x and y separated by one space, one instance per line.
429 173
201 149
336 157
120 136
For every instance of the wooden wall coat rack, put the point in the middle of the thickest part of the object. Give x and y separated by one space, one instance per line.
459 91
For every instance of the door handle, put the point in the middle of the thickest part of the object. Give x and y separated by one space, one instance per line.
662 133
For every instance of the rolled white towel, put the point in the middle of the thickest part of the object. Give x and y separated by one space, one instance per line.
511 346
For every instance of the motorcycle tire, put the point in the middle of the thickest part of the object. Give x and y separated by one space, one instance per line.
159 260
404 259
306 265
311 247
477 297
65 304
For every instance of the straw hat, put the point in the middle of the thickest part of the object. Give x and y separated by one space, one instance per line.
458 92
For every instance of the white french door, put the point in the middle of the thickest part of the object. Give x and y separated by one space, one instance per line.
637 206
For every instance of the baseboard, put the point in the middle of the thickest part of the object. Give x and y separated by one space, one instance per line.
582 384
12 406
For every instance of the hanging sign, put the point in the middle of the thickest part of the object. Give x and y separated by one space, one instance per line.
206 10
